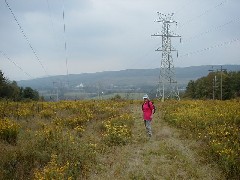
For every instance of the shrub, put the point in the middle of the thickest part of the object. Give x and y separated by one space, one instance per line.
53 170
214 122
117 131
9 130
47 113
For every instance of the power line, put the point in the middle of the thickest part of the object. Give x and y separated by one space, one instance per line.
65 41
216 28
167 81
143 57
5 55
25 36
184 6
205 12
209 48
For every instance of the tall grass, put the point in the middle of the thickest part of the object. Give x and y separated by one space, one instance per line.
103 139
216 123
49 138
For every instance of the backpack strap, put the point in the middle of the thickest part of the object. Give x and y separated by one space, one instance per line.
148 105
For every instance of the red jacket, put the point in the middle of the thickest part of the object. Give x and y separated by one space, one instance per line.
147 110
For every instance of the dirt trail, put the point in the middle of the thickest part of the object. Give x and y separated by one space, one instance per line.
166 155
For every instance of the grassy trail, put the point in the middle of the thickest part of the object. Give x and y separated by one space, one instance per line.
166 155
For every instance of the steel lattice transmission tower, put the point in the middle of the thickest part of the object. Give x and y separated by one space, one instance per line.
167 87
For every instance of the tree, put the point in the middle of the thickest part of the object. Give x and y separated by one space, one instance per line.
10 90
227 89
190 90
29 93
210 86
2 85
14 91
234 77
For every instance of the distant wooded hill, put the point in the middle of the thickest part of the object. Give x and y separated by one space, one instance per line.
126 78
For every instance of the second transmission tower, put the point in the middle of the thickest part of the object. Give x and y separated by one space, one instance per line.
167 87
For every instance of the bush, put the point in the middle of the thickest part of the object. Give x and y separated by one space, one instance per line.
216 123
117 131
9 130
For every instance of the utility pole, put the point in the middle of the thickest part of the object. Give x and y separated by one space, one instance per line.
221 79
167 87
214 85
215 81
56 89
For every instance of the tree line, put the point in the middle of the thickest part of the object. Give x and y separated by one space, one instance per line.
216 85
10 90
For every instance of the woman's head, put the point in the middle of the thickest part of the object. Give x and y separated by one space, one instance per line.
145 97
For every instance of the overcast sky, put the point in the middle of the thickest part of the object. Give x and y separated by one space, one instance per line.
110 35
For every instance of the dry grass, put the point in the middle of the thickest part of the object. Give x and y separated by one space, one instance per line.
167 155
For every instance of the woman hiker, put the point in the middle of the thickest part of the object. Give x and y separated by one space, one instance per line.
148 110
